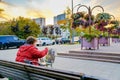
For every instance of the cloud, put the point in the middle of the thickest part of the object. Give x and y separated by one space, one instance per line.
15 11
36 8
51 8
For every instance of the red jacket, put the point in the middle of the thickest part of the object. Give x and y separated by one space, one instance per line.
31 53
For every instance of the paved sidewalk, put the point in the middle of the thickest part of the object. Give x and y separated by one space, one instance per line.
104 70
113 48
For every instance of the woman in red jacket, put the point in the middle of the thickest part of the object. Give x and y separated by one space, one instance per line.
28 53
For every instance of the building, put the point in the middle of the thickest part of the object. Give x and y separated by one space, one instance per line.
55 20
40 21
59 19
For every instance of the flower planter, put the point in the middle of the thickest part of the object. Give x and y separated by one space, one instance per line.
104 41
115 40
89 45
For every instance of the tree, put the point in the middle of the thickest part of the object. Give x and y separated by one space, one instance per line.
57 30
2 15
63 27
27 27
68 24
1 10
22 27
78 30
44 30
51 29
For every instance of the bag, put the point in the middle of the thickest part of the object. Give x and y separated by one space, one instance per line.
48 59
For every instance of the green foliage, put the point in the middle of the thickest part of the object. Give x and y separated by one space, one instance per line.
68 12
115 36
5 29
68 21
103 16
89 37
9 28
115 22
78 30
33 27
78 15
1 10
104 35
63 27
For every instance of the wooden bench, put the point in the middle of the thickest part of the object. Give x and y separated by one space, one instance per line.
23 71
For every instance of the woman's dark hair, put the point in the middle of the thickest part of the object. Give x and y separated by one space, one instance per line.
31 40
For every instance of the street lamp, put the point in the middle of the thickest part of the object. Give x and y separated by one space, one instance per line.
90 13
72 8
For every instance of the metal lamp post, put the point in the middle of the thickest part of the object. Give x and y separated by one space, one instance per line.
72 8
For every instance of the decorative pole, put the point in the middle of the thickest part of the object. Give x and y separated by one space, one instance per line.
72 22
90 13
72 8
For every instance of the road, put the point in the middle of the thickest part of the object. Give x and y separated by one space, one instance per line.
104 70
11 53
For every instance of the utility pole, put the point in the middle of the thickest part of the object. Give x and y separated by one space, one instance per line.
72 21
72 6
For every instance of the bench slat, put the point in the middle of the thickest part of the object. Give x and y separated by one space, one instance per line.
23 71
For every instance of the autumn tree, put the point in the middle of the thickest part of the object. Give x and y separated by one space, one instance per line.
1 10
22 27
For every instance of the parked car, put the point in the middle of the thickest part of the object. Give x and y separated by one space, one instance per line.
7 41
62 40
42 41
58 41
65 40
77 39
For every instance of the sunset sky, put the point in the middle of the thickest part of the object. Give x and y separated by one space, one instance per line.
51 8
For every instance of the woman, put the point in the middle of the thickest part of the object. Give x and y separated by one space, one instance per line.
28 53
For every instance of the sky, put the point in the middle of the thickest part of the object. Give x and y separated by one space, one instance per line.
50 8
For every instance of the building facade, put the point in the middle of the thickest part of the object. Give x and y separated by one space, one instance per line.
59 18
40 21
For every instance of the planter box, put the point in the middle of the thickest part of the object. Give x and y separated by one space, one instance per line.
104 41
89 45
115 40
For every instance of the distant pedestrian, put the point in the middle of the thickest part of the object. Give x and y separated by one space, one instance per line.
28 53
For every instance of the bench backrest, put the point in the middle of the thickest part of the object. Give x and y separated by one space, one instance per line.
22 71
